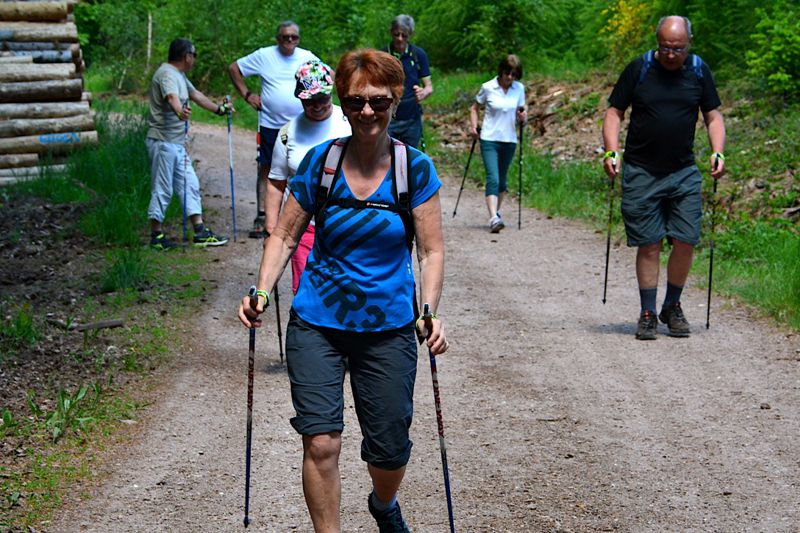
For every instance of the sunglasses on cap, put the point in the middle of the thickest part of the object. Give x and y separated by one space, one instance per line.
357 103
289 38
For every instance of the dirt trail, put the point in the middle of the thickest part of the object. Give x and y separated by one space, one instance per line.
556 419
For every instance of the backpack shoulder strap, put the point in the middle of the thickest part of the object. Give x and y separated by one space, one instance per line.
647 63
283 134
402 188
330 170
697 66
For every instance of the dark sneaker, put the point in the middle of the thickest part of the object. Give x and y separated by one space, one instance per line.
390 520
160 242
673 317
496 224
647 327
208 238
258 228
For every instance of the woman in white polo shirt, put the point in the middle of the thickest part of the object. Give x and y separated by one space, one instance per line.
503 100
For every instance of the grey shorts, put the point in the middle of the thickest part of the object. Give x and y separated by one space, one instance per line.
656 207
383 368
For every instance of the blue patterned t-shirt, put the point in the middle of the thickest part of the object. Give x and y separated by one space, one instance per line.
359 275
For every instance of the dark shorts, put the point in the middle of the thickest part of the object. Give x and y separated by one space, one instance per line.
383 368
407 131
657 207
267 137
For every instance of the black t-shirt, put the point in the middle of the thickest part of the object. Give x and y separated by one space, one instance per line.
664 112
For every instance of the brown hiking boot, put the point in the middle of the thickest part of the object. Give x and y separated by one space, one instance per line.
673 317
648 325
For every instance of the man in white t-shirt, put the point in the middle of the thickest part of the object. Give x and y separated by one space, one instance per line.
276 105
319 121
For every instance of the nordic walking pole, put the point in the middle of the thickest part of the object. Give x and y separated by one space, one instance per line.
608 237
471 150
230 159
248 448
278 317
185 168
427 318
711 251
519 202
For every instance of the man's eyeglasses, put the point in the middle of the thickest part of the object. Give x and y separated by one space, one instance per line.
510 73
289 38
399 34
193 54
676 51
378 104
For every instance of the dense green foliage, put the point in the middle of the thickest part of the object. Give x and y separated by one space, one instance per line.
457 34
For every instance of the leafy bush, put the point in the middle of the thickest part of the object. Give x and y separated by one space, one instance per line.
775 55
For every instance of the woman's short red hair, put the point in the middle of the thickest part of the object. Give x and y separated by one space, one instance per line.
368 66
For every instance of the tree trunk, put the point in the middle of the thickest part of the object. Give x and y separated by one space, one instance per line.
33 11
15 46
42 91
39 31
19 160
29 172
43 110
57 143
36 72
21 127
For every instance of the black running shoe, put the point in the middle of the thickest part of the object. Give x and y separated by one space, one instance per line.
160 242
208 238
390 520
647 327
673 317
258 231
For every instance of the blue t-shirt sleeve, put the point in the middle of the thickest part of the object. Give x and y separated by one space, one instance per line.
305 182
424 181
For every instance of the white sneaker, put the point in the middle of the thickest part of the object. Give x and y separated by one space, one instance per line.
496 224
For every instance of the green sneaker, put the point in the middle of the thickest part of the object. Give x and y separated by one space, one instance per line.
160 242
208 238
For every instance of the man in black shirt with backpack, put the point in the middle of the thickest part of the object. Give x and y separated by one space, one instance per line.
661 185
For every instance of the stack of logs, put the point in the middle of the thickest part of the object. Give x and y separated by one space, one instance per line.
44 111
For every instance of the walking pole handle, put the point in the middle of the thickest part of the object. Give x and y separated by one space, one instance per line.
427 318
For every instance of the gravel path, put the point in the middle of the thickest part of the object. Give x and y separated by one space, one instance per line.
556 419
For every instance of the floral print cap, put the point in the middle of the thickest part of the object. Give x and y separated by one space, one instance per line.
314 78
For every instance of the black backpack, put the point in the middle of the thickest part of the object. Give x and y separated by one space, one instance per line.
649 59
401 168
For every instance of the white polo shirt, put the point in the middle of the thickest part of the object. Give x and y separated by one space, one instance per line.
500 110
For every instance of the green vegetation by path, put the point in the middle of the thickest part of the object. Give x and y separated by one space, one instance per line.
80 239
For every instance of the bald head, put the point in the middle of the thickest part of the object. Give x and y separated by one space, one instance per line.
672 27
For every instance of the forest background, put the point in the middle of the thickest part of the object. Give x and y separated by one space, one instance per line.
753 48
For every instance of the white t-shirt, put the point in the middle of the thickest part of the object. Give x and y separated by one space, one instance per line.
278 103
302 134
500 113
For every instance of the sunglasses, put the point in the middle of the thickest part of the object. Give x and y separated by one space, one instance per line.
289 38
193 54
317 101
399 34
378 104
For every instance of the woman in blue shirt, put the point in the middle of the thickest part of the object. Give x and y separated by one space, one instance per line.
353 308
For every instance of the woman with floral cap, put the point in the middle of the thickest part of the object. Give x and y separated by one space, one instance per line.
320 121
353 310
